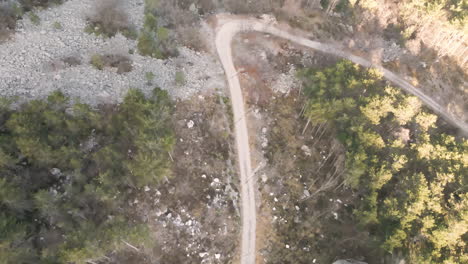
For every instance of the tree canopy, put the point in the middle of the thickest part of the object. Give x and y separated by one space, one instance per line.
409 171
66 170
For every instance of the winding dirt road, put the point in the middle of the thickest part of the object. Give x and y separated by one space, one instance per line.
227 28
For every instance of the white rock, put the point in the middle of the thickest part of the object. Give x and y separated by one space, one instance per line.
190 124
217 256
147 189
203 254
287 246
306 150
193 8
335 215
55 172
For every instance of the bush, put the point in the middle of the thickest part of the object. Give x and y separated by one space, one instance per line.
97 62
57 25
35 19
149 78
122 63
180 78
154 40
110 18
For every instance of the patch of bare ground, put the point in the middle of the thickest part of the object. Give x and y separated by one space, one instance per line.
194 214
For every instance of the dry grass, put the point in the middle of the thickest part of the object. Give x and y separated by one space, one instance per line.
109 18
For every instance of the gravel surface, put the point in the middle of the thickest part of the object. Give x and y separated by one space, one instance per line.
31 63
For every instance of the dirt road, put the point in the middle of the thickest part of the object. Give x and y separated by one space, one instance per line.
227 29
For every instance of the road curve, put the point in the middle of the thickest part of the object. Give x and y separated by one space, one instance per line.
225 32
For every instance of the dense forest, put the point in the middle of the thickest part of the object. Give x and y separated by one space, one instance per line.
67 172
407 167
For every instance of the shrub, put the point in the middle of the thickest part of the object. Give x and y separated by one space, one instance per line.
147 45
149 77
35 19
122 63
154 40
57 25
110 18
180 78
97 62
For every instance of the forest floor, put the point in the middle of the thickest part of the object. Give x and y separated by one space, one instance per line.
194 214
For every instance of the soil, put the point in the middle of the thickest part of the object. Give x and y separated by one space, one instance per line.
194 214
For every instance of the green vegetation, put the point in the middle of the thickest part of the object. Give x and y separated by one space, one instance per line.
149 78
155 40
408 171
67 173
121 62
35 19
180 78
57 25
97 61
